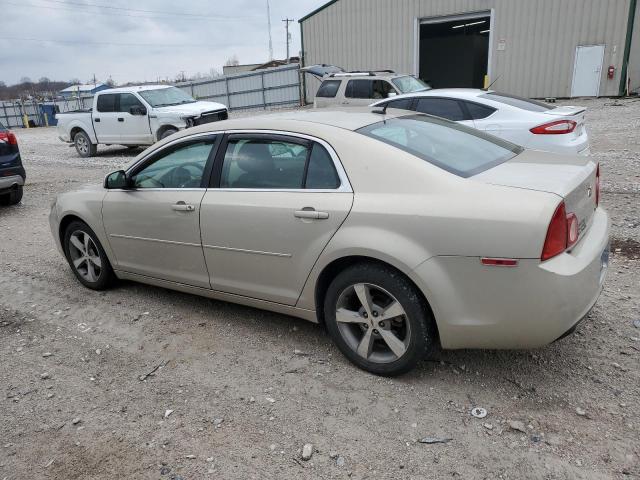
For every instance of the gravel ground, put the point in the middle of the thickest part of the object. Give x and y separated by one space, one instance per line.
231 396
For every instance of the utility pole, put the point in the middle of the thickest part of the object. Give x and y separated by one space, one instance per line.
287 21
269 25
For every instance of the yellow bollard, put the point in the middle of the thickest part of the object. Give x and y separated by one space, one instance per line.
25 120
486 81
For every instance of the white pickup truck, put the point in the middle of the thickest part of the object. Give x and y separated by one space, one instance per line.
135 116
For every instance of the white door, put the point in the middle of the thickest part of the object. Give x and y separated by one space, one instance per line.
587 71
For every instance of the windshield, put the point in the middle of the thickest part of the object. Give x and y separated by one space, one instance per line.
163 97
410 84
455 148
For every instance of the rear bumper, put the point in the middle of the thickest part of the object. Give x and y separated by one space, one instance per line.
11 181
527 306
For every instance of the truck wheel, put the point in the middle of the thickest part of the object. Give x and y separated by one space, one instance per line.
13 197
167 132
83 144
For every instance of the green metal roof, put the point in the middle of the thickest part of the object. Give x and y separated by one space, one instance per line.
317 10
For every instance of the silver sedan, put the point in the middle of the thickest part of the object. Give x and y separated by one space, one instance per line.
395 230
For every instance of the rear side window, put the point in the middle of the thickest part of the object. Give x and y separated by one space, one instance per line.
441 107
518 102
455 148
477 111
328 89
107 102
321 173
272 163
359 89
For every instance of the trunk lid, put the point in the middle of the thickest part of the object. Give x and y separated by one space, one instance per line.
321 70
571 177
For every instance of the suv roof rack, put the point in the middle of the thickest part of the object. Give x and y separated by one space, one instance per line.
370 73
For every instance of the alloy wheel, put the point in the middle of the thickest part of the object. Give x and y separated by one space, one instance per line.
82 144
373 323
84 256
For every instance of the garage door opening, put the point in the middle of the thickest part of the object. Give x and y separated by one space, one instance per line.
454 51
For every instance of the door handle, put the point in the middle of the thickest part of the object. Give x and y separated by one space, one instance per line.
310 213
96 120
120 119
183 207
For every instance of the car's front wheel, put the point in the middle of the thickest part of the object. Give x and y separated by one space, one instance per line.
86 257
378 319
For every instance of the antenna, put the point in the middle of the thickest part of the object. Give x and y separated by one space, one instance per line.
269 24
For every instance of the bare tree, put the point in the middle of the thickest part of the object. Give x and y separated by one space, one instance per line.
232 61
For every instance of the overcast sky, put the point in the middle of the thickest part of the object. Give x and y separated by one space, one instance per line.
141 39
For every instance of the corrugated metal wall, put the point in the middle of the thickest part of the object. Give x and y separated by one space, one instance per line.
259 89
540 38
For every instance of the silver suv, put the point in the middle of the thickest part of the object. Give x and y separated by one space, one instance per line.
360 88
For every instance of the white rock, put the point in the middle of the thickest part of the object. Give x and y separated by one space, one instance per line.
307 451
167 413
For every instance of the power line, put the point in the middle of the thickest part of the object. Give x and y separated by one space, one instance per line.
118 14
83 42
162 12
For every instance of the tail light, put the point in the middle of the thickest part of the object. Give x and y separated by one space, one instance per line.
559 127
598 185
572 229
563 232
8 137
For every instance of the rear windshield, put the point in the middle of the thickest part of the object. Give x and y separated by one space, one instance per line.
410 84
455 148
518 102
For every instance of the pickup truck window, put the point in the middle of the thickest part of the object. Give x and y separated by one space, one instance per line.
164 97
107 102
128 100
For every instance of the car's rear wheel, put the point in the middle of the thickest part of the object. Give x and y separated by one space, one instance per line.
378 319
13 197
83 144
86 257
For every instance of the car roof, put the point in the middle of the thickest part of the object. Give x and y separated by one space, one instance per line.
299 121
134 88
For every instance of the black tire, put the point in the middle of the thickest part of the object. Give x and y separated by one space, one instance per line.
418 333
168 132
83 145
105 278
13 197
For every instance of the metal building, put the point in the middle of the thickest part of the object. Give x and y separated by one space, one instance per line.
533 48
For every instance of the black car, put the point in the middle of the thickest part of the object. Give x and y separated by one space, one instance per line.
12 174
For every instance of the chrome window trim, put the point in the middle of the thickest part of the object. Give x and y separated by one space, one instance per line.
345 184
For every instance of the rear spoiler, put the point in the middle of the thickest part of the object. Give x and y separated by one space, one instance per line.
566 111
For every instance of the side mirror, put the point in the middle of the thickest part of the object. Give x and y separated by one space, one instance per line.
391 94
138 110
117 180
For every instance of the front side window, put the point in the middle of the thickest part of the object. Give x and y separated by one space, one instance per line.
410 84
128 100
441 107
107 102
328 89
455 148
266 163
164 97
381 89
181 167
401 103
